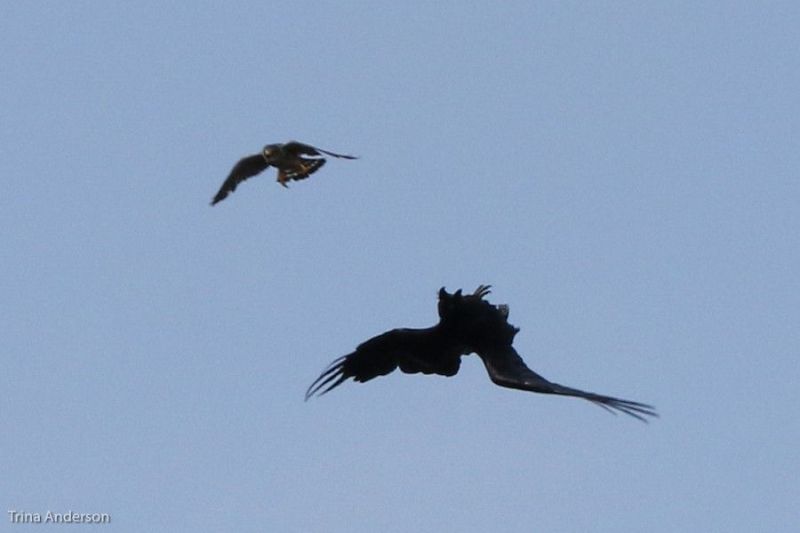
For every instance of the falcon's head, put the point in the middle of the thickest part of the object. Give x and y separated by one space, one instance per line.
271 153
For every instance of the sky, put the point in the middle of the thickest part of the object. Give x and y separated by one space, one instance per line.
624 174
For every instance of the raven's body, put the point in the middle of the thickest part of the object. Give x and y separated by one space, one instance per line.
467 324
287 158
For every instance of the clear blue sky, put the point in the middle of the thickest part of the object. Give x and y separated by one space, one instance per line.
627 176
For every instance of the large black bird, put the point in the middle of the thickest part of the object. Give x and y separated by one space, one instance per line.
287 158
467 324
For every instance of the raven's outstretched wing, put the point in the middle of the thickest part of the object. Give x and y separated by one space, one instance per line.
245 168
411 350
298 148
507 369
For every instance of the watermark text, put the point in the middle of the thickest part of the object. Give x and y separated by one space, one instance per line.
52 517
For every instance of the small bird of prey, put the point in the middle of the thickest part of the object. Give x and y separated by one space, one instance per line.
287 158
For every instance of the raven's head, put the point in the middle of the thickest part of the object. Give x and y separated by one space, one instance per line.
476 320
469 304
448 302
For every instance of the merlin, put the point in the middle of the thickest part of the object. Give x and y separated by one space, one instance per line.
287 158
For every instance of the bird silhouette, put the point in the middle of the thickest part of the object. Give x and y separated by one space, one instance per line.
287 158
467 324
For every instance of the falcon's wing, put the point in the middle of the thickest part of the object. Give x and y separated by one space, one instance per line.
507 369
245 168
298 148
412 350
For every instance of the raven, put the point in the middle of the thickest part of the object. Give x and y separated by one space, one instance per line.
467 324
287 158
